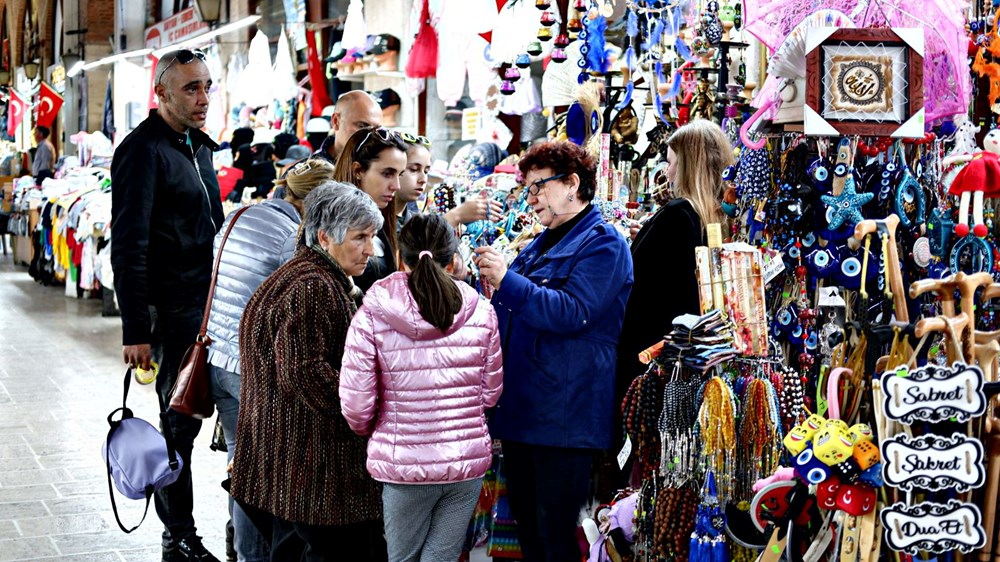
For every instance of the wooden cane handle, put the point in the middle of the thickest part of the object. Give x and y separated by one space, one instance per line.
939 324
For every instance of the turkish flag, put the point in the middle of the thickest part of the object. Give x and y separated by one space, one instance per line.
49 103
317 78
15 112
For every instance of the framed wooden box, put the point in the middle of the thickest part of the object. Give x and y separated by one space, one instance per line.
865 82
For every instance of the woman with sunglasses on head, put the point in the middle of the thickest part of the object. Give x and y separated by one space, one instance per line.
560 307
262 239
373 160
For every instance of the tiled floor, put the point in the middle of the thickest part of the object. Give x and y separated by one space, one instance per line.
60 376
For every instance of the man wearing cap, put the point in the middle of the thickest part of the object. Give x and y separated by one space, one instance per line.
354 111
165 213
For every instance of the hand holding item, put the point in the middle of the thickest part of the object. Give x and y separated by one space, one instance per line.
492 265
473 210
137 355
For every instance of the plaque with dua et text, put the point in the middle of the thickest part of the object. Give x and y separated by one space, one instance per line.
933 527
933 462
934 394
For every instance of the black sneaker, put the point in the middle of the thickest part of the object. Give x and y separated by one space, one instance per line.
187 549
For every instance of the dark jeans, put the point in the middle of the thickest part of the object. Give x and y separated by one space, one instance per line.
174 330
547 487
359 542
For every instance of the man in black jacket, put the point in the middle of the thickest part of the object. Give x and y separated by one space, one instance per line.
166 211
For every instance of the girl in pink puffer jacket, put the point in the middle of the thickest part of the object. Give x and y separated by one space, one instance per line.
421 364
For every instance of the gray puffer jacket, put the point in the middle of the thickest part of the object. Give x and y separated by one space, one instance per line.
262 240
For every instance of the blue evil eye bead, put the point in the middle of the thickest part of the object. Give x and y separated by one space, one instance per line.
522 61
809 239
794 252
840 170
729 174
890 167
785 317
822 262
851 267
812 341
820 174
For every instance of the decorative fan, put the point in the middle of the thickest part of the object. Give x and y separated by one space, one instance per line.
559 84
789 61
787 64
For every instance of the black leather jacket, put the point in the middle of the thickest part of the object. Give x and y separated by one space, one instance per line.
165 211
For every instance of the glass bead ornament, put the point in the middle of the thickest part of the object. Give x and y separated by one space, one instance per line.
534 48
547 18
507 87
512 74
574 25
522 61
558 55
543 4
562 41
544 34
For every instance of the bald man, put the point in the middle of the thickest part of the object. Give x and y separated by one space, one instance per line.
355 110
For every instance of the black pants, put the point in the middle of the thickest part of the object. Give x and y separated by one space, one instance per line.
174 330
547 487
359 542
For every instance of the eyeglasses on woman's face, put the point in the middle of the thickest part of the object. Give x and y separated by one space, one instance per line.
183 56
535 187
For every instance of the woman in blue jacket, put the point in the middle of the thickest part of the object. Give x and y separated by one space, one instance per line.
560 307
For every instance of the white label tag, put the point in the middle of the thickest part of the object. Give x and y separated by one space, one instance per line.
773 265
933 462
624 453
933 527
934 394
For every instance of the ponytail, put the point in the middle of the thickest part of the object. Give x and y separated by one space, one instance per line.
427 246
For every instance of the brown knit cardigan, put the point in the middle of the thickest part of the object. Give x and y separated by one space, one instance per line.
295 455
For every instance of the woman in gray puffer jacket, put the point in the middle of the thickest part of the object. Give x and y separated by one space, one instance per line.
261 241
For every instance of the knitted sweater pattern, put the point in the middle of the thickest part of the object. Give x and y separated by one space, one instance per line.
296 457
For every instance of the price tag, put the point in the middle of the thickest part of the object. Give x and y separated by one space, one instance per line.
624 453
773 265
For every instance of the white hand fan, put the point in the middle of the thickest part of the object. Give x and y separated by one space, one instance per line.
559 85
789 61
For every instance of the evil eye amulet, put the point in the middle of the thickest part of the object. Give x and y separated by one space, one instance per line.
823 262
819 174
810 468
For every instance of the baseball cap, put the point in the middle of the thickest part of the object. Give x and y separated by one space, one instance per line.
294 154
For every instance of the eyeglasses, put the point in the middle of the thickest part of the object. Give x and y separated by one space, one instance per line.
536 187
421 140
384 134
183 56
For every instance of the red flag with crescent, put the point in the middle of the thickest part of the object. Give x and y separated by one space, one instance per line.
15 111
49 103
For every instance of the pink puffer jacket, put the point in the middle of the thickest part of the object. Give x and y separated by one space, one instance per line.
419 392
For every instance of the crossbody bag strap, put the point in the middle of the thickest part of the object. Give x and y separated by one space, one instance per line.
215 275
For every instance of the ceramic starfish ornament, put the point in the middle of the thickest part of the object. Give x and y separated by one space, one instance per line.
846 207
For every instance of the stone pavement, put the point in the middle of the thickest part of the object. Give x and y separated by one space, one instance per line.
60 376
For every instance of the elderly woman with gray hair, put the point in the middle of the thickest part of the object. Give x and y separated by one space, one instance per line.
296 457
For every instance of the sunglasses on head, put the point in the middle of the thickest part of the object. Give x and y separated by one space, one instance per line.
421 140
183 56
384 134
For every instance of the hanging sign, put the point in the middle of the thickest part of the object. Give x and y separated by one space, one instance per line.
181 26
934 394
932 462
933 527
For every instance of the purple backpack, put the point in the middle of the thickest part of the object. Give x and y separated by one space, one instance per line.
139 458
